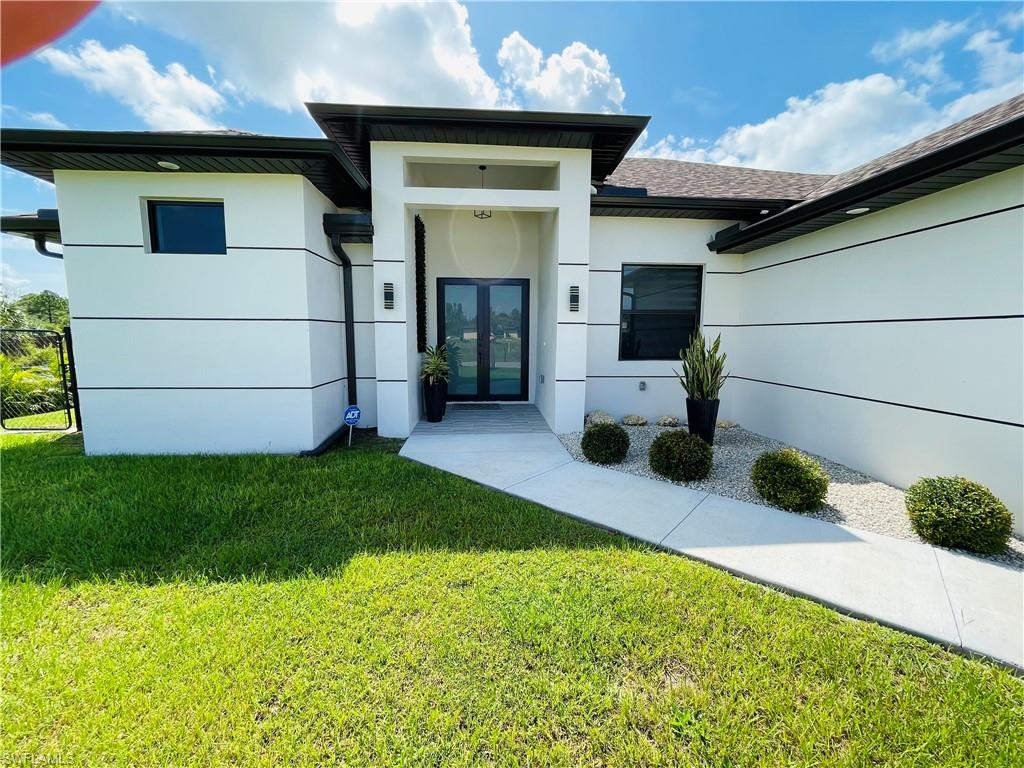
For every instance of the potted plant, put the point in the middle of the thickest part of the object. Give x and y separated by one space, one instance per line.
703 377
435 381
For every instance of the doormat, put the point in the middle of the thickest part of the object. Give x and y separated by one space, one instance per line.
474 406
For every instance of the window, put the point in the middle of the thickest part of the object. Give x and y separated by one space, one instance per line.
186 227
660 311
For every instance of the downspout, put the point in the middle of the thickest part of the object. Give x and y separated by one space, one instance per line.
41 248
350 323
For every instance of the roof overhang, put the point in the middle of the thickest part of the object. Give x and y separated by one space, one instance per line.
41 224
997 149
41 152
608 137
728 208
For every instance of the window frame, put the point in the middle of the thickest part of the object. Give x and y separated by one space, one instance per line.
152 204
623 312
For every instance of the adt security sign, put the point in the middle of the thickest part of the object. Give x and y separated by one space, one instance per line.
352 414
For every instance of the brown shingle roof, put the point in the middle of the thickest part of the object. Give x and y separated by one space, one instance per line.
993 116
678 178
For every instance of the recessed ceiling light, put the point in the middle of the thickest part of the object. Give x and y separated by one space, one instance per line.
168 165
855 211
764 211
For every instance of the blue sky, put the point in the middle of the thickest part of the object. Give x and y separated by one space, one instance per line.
794 86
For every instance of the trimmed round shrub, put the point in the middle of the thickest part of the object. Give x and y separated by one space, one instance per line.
668 421
680 456
632 420
790 480
957 512
605 443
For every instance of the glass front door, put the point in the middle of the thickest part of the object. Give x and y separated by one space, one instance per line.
485 325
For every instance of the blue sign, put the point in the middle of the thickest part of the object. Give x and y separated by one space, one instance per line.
352 414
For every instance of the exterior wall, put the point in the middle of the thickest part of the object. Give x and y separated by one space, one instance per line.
504 246
234 352
613 385
913 344
395 203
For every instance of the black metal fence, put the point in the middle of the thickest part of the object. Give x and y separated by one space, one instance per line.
36 377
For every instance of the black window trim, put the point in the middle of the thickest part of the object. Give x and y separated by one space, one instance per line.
154 239
622 312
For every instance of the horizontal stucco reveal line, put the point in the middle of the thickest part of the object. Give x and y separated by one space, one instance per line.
213 319
858 322
229 248
881 402
199 387
631 375
870 242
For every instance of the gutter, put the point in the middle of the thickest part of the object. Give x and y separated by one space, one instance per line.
996 139
751 207
354 228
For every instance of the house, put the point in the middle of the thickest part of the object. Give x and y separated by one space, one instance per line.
234 292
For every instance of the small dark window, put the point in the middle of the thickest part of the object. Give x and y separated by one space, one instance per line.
660 311
186 227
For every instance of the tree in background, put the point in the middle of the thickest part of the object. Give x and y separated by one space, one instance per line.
45 309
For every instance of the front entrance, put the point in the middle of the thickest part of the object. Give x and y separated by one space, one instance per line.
485 324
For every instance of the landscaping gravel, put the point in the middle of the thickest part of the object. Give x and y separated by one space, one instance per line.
854 499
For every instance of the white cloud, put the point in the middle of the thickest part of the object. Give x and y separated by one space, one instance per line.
283 54
414 53
45 119
169 100
1013 19
579 79
11 281
845 124
910 41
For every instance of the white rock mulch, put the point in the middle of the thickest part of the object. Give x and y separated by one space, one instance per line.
854 499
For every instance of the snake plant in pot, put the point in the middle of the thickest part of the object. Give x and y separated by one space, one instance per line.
435 381
702 377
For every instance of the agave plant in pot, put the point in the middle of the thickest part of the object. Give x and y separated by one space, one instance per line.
435 381
702 377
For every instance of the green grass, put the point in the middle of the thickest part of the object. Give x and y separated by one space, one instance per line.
359 609
48 420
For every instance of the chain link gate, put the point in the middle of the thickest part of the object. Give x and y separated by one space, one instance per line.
37 375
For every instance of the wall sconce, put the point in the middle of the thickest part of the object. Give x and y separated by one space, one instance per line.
574 298
389 295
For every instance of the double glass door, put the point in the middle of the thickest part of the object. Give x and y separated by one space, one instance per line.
485 325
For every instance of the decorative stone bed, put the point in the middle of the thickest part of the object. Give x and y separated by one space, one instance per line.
854 499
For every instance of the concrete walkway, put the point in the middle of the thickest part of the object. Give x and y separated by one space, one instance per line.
957 600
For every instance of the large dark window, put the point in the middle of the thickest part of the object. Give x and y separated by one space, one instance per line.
186 227
660 311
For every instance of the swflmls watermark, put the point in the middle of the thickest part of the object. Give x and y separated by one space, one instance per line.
33 758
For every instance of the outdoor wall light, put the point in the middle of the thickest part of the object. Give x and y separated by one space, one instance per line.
389 295
167 165
574 298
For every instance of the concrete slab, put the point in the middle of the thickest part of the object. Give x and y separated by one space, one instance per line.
639 507
988 605
890 580
490 459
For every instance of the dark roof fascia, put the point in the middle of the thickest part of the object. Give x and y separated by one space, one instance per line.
729 207
996 139
99 142
43 223
324 113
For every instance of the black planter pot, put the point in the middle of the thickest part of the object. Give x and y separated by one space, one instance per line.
434 400
701 417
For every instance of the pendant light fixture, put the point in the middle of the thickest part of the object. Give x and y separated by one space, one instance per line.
482 214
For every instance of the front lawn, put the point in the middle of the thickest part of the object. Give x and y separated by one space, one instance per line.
359 609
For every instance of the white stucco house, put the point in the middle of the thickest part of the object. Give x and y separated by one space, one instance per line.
233 292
